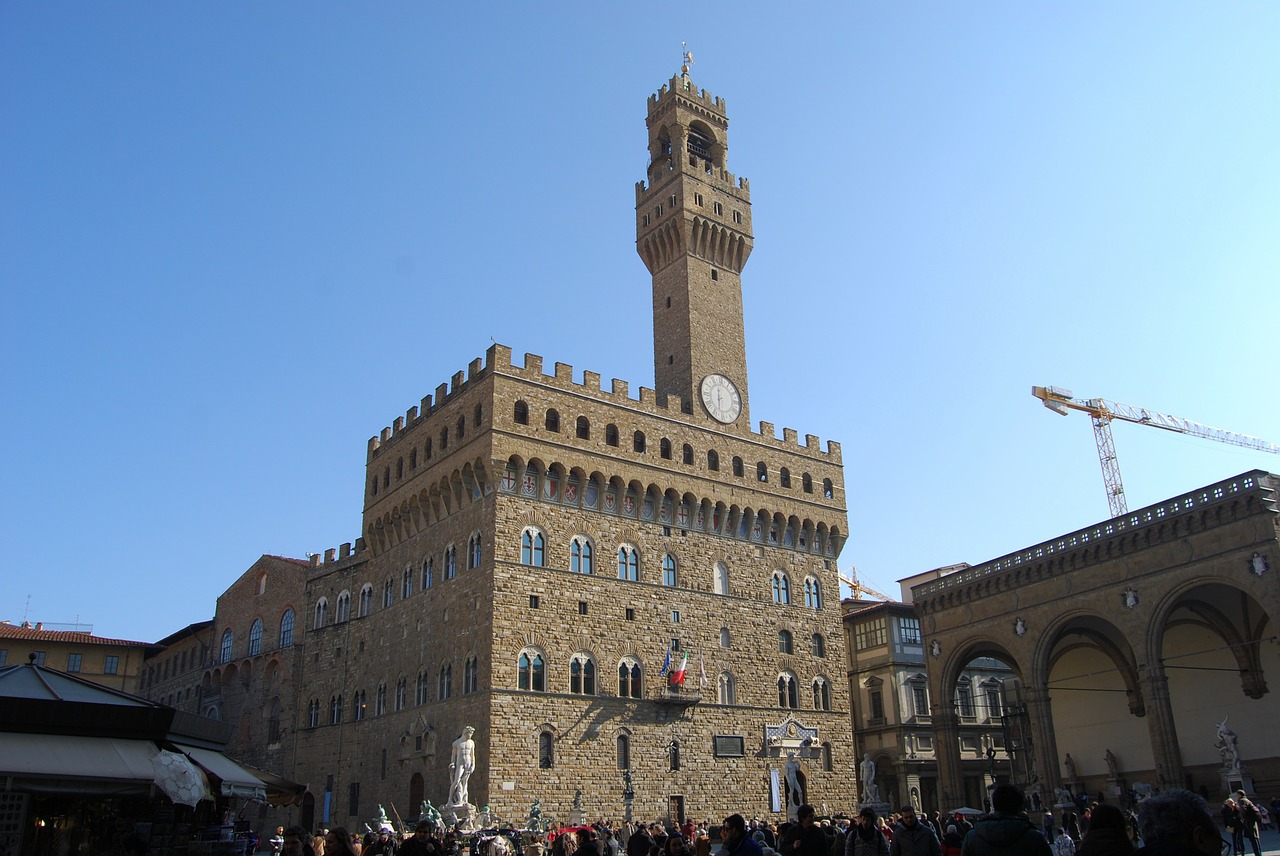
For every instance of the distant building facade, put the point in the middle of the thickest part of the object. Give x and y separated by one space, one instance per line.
892 709
113 663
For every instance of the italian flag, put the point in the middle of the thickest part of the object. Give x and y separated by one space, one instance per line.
677 674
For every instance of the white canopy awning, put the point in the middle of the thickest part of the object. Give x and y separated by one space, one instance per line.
236 780
54 758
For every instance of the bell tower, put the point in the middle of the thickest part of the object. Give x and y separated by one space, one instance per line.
693 231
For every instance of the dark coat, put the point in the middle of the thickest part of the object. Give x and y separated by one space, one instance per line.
1005 835
914 840
1105 842
855 844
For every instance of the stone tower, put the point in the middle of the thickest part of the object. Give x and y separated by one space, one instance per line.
693 231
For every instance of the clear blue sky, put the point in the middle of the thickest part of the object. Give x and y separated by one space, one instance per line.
237 239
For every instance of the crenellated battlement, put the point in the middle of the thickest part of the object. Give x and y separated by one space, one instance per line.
333 556
498 360
683 87
727 182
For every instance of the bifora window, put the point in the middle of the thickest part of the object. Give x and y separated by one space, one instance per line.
628 563
582 675
580 555
533 548
629 678
531 671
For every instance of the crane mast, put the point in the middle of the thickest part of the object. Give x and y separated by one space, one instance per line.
1103 412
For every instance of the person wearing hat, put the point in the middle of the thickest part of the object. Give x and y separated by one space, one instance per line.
952 840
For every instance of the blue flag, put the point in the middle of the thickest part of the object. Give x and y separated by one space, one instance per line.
666 664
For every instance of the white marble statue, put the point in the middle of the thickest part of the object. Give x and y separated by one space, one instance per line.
461 765
867 773
1228 746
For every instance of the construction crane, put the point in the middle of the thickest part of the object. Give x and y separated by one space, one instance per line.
1060 400
858 588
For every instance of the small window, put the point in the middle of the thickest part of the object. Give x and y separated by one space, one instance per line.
687 457
737 216
534 601
426 450
583 428
828 490
553 421
624 752
818 645
664 449
724 637
399 468
630 613
713 461
697 199
784 477
806 483
762 472
413 459
715 275
721 580
673 755
784 642
717 207
611 435
672 200
737 466
637 442
462 427
521 413
477 416
582 607
73 662
444 438
675 616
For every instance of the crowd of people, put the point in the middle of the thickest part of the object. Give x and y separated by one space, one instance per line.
1173 823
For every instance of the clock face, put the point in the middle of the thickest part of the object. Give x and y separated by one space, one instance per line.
721 398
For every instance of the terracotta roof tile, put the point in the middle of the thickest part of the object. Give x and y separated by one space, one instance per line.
16 631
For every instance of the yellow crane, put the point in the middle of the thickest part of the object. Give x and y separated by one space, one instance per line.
858 588
1061 400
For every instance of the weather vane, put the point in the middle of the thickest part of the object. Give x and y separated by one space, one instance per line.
688 58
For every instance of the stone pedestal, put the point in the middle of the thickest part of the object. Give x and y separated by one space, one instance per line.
461 815
880 807
1234 779
1115 788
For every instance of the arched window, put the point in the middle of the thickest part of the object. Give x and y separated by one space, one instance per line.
462 427
286 629
725 637
406 584
344 607
611 435
673 755
726 689
380 701
228 638
624 752
629 678
713 461
821 694
828 489
359 704
762 472
628 563
583 429
637 442
812 593
781 588
477 416
582 675
664 449
426 450
546 751
255 637
669 571
335 709
474 553
828 764
721 578
784 642
471 675
788 693
444 438
737 466
322 613
533 548
402 693
366 601
784 477
388 593
420 695
818 645
687 455
450 562
532 671
428 573
553 421
521 415
444 689
806 483
313 713
399 468
580 555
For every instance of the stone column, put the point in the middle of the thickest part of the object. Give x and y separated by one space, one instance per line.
946 747
1160 726
1045 750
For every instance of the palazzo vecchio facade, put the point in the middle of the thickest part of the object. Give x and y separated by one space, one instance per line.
534 543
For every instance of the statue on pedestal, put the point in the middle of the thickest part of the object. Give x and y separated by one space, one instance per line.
461 765
1070 764
1228 746
1113 766
867 774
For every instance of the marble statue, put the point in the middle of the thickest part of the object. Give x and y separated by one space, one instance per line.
794 788
1228 746
1062 797
867 773
1113 766
462 764
1070 764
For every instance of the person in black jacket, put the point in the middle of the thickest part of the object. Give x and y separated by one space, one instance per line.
1177 823
1108 833
913 838
805 837
1006 831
